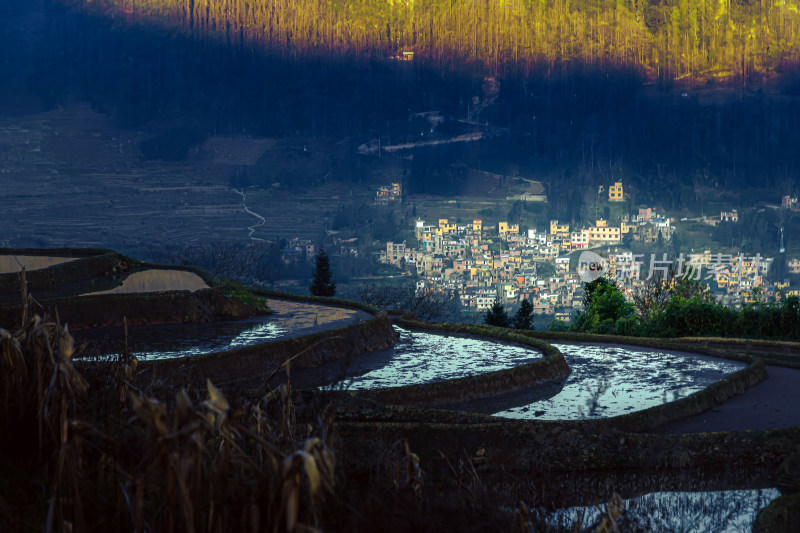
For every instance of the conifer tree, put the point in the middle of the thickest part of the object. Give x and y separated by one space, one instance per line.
497 316
321 284
523 319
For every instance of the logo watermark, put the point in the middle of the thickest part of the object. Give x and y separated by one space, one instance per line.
696 267
592 266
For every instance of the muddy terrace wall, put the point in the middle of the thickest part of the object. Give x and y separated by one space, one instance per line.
92 270
58 289
781 353
85 274
526 449
247 367
169 307
485 385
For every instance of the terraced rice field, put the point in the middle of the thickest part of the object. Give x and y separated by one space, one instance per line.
420 357
14 263
157 280
289 319
667 512
295 315
605 381
609 380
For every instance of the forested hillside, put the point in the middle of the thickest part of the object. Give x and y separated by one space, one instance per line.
669 38
573 127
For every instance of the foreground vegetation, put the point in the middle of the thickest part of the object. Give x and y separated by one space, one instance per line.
678 307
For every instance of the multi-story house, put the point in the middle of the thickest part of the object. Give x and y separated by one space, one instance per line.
602 233
579 240
504 228
615 193
729 216
446 227
395 252
559 229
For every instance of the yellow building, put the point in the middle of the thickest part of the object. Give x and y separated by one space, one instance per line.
605 234
601 223
477 225
504 228
445 227
556 228
627 227
615 193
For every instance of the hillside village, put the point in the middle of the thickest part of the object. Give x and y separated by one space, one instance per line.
483 262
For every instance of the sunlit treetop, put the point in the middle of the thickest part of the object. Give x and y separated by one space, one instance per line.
675 38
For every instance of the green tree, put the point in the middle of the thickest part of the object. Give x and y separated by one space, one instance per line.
627 239
322 284
523 319
497 316
604 307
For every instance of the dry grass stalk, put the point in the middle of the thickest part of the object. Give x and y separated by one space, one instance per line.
195 466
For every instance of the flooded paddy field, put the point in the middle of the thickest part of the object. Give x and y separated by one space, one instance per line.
667 512
14 263
289 319
611 380
420 357
157 280
672 501
605 381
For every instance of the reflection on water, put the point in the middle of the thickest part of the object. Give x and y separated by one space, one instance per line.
289 319
420 357
180 340
666 512
611 380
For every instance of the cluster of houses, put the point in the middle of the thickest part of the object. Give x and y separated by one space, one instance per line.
483 262
724 216
297 250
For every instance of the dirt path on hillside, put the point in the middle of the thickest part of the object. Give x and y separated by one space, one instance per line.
261 220
773 403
